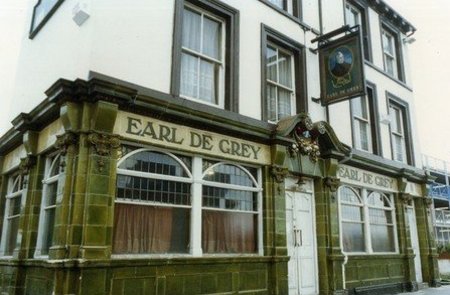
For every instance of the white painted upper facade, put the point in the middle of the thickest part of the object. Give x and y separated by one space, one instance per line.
133 41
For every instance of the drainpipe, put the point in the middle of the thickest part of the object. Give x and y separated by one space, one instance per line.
345 159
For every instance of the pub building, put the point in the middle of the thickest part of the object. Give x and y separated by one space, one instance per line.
109 186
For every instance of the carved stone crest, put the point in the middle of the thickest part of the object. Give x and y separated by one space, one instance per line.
332 183
279 173
406 198
26 164
63 142
306 138
103 145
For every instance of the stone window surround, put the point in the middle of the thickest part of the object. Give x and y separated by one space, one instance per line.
231 22
196 208
366 221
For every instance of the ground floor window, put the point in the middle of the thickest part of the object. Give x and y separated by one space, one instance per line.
168 203
367 221
13 205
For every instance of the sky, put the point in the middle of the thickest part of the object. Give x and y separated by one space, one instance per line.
429 66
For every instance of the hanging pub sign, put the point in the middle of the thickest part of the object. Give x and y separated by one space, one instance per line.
341 66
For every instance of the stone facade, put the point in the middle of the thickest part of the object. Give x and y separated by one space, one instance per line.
80 258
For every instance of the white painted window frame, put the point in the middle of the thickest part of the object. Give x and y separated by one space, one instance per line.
51 161
276 84
289 6
387 55
350 10
11 194
220 81
367 122
196 179
397 133
366 220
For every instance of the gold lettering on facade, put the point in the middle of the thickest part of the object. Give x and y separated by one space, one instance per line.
155 131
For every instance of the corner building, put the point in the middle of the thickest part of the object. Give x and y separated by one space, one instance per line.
177 147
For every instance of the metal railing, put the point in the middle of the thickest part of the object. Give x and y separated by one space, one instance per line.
442 217
439 191
434 164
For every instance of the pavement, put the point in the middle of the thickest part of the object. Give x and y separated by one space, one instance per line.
443 290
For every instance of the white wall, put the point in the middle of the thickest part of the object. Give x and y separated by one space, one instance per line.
60 50
134 43
12 22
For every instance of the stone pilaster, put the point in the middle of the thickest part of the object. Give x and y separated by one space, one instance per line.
331 259
428 250
67 146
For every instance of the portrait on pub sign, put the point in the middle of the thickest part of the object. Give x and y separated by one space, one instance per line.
341 69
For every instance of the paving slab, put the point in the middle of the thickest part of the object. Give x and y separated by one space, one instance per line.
443 290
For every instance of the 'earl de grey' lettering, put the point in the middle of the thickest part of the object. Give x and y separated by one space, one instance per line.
193 140
162 133
238 149
366 177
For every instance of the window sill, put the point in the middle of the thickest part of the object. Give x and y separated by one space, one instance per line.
362 255
381 71
180 256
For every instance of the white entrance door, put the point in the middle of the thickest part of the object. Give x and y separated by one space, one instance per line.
300 227
415 242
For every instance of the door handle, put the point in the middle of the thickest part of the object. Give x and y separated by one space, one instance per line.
298 239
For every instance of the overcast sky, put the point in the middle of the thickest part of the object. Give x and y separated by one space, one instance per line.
430 68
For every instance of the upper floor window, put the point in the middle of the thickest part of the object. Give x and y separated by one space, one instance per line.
367 221
11 219
283 90
279 83
205 53
391 53
361 124
400 132
202 66
48 205
291 7
355 14
42 12
364 125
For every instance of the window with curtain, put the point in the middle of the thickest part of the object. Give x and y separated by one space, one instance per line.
11 219
230 209
202 57
361 123
152 205
367 221
173 204
402 149
352 219
397 133
391 53
365 129
42 12
381 217
355 14
48 205
291 7
279 83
